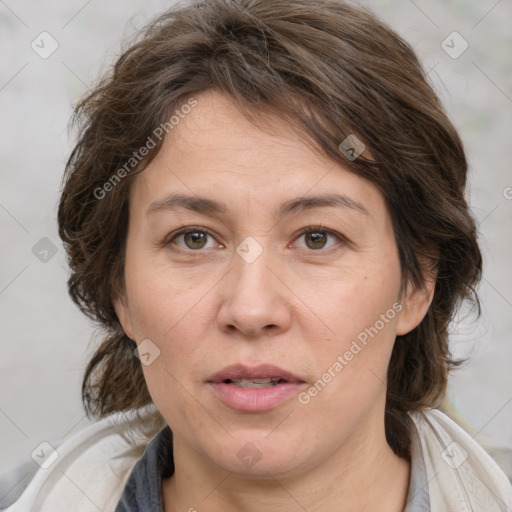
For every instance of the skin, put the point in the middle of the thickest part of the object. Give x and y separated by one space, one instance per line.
299 306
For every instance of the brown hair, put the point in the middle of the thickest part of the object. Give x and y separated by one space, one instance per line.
331 70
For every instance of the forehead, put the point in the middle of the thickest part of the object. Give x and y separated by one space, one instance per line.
216 149
216 126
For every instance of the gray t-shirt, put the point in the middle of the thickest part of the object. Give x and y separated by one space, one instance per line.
142 492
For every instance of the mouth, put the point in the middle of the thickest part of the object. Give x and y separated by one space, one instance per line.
263 375
254 389
254 383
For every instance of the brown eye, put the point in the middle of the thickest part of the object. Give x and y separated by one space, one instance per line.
316 238
190 240
195 239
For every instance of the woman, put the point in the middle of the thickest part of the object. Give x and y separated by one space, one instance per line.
265 212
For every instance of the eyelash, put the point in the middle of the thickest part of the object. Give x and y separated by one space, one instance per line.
200 252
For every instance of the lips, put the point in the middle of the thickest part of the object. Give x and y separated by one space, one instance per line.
254 389
238 372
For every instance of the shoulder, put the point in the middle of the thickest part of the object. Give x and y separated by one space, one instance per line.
450 422
89 470
459 470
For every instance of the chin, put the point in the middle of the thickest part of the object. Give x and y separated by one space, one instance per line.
260 457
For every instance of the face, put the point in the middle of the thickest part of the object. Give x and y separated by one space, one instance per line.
241 281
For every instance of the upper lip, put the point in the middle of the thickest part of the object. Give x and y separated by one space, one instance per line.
262 371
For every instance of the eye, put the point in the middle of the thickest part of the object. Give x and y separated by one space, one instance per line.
194 238
316 237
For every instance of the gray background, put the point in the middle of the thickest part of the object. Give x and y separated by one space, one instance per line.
45 340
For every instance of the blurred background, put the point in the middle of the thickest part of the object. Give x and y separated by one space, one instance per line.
51 52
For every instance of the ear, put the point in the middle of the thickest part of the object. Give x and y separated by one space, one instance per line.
415 305
123 314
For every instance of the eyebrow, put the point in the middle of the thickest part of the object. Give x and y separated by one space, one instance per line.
206 205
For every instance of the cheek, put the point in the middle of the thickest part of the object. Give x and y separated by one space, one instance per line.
169 320
361 316
163 299
169 308
352 306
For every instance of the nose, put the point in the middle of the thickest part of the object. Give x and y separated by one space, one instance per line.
256 302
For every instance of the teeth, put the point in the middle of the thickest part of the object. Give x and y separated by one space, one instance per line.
253 383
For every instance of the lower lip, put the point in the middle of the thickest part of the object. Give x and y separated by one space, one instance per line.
255 399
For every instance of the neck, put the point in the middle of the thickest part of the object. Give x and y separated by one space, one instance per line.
361 475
